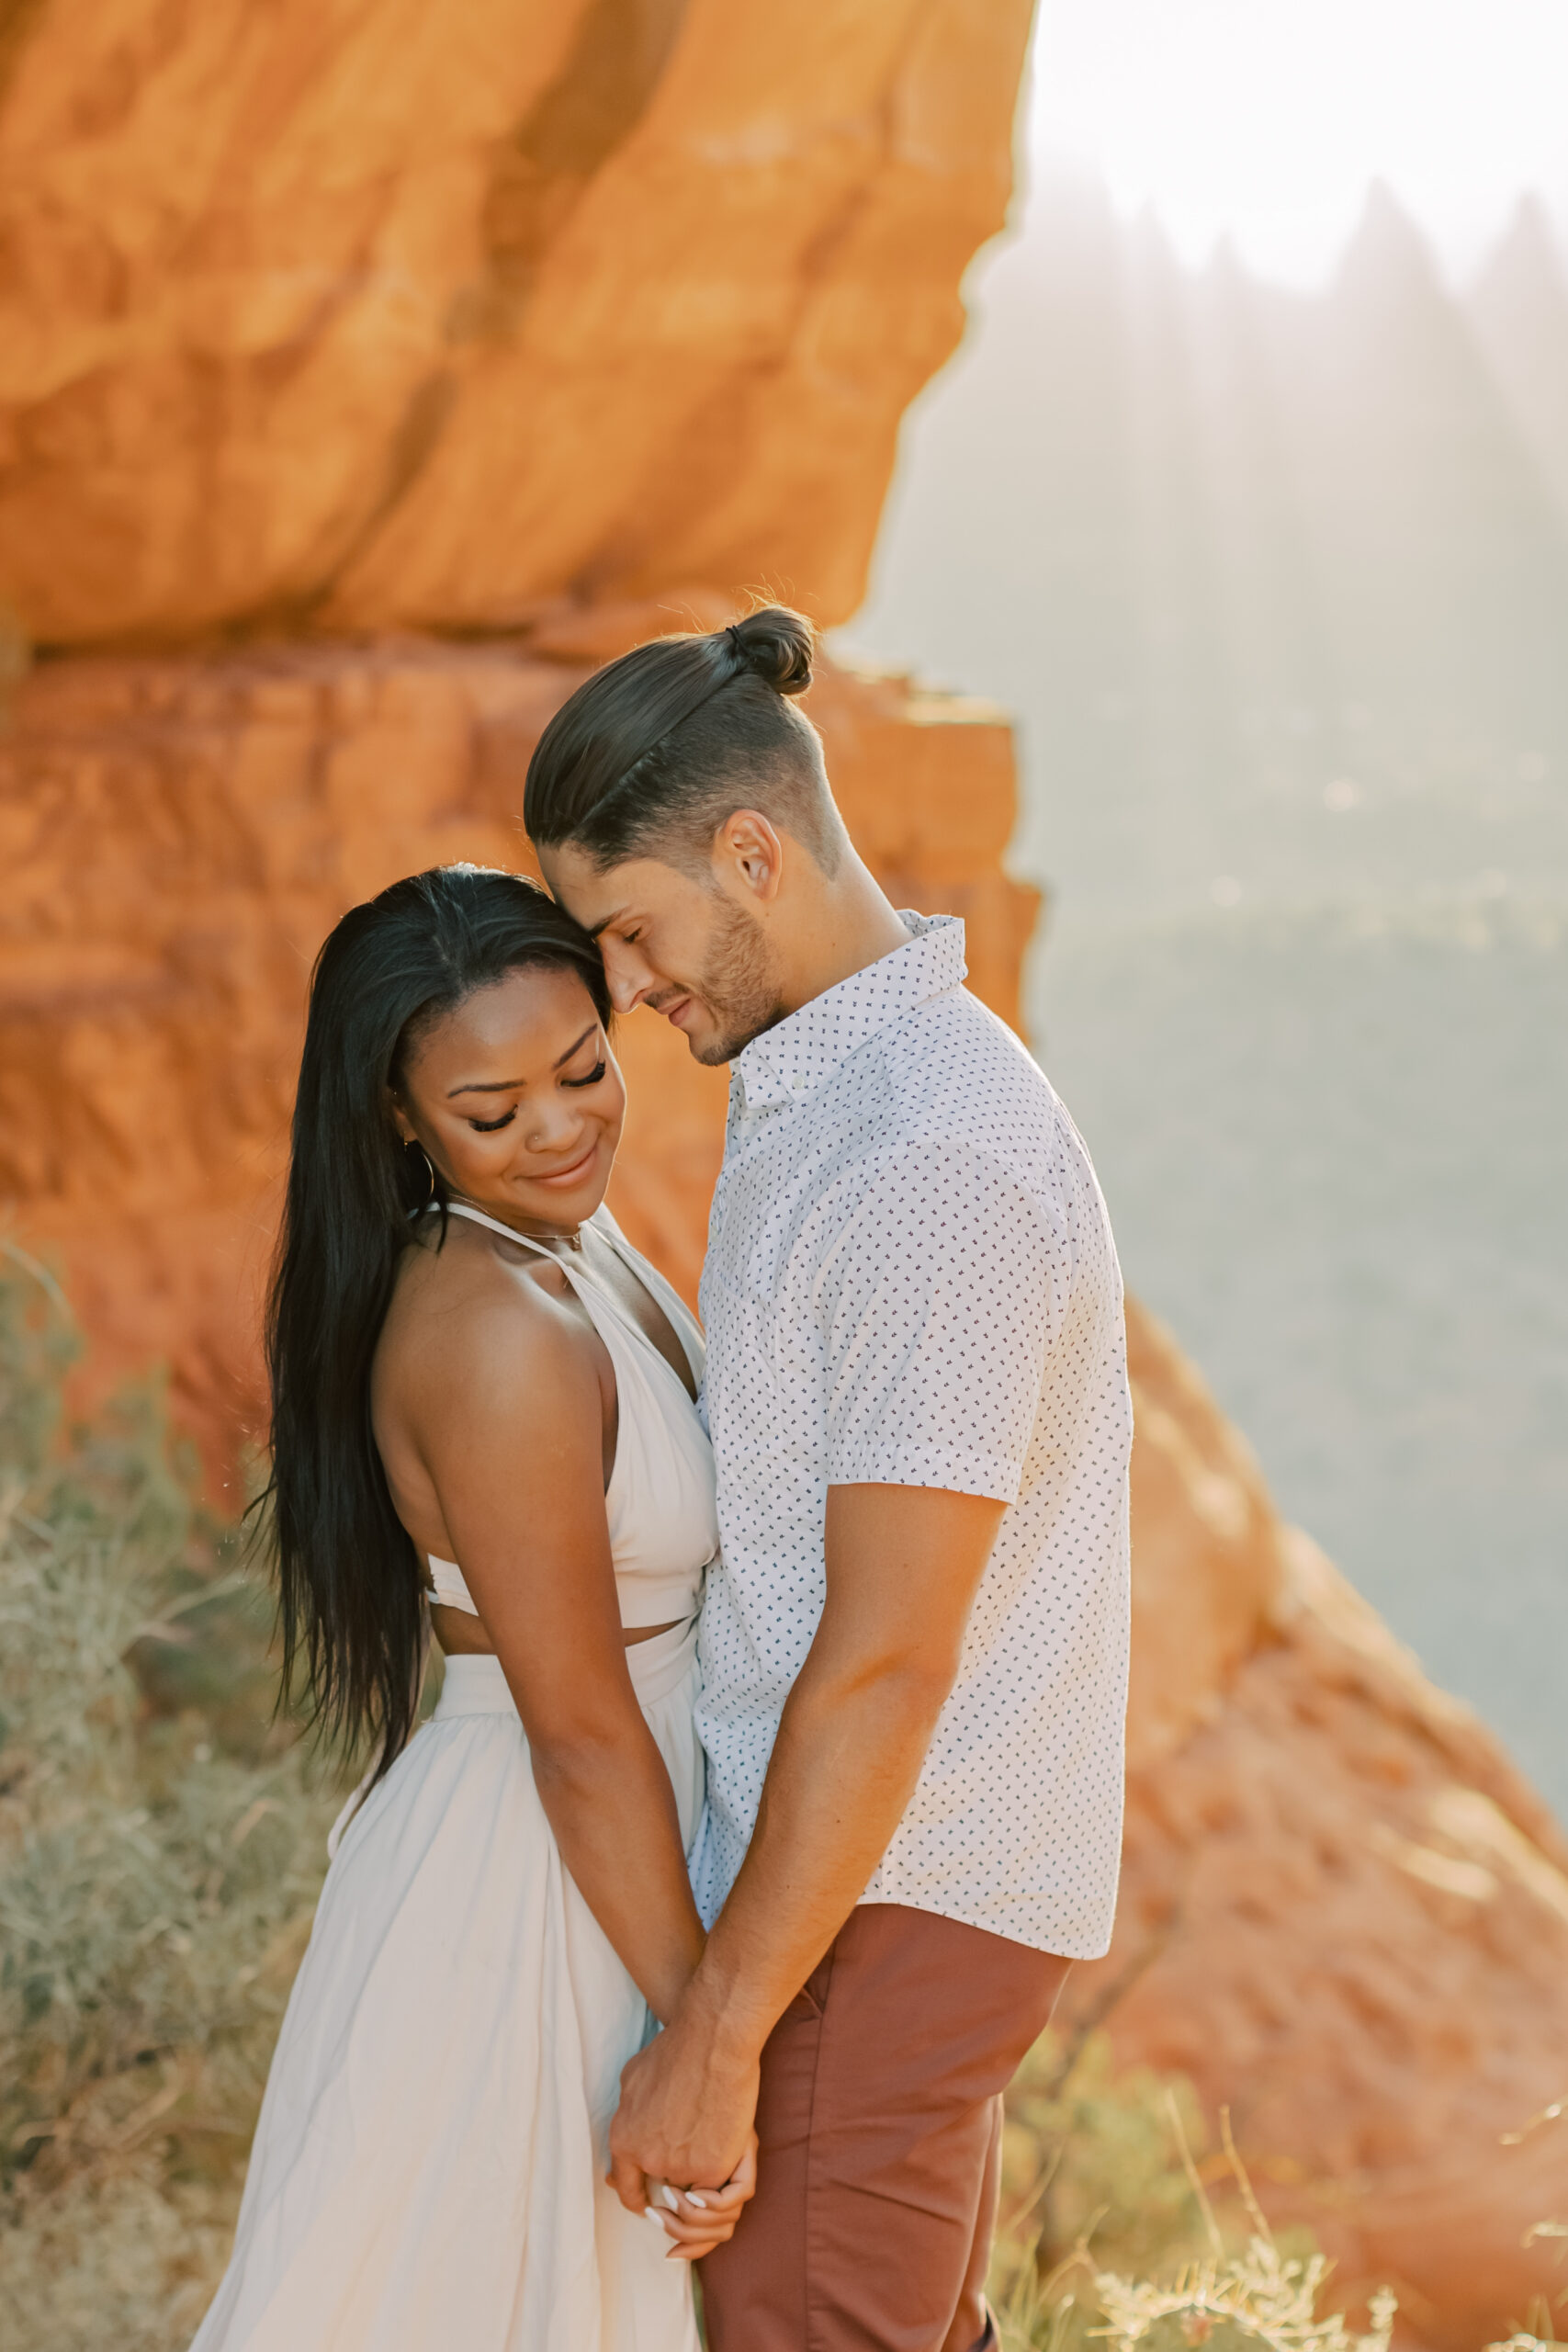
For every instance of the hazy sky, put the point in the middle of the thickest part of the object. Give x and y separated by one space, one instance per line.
1267 117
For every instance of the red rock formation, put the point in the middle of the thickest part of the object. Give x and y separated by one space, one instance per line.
1344 1913
365 314
376 312
180 834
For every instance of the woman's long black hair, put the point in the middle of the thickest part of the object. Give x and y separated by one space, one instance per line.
349 1579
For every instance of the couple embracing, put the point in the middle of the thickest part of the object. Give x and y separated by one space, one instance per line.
775 1777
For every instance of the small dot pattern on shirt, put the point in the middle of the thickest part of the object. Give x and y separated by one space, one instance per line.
911 1280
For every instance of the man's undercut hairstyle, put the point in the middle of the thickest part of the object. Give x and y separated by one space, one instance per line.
651 754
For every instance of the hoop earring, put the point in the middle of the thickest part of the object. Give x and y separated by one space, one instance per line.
414 1144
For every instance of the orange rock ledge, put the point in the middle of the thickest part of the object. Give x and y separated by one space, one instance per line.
180 833
340 318
1344 1913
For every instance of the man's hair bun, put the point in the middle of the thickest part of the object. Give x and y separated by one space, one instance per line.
666 729
777 646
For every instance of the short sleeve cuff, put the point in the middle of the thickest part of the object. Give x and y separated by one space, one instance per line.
960 1471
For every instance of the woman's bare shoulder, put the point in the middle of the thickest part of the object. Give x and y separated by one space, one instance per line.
471 1322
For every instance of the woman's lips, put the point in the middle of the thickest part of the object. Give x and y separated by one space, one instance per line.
575 1173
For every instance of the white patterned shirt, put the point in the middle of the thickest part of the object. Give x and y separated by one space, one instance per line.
910 1281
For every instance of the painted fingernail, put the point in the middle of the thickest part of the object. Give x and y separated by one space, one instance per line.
649 2215
667 2196
700 2202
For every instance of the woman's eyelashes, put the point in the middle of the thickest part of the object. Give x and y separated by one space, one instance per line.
494 1126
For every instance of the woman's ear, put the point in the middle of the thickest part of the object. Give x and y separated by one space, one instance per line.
400 1118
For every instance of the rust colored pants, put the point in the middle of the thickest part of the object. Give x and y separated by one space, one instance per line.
880 2124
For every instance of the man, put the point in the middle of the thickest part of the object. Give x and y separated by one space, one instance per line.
914 1645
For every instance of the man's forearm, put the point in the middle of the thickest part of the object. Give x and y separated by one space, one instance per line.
903 1567
848 1754
844 1768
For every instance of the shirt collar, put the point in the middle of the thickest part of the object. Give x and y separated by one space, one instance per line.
794 1058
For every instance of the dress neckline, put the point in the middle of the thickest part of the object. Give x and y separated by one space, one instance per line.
572 1268
496 1225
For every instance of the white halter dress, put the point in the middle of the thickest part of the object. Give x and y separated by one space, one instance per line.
428 2166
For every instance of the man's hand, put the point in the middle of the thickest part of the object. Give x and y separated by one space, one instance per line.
687 2105
903 1566
697 2219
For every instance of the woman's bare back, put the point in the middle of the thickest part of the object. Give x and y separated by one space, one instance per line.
449 1291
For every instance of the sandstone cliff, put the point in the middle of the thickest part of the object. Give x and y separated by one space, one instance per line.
545 328
180 833
1343 1912
361 312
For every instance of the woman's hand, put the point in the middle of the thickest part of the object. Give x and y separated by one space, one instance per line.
697 2219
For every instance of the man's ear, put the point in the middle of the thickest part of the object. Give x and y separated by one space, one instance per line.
748 857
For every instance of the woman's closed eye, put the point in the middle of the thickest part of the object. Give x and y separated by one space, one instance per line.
494 1126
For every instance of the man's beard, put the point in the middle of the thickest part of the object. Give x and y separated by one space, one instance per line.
738 985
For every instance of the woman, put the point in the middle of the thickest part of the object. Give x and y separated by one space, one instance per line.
483 1422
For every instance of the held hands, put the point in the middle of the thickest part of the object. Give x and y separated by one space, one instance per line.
685 2117
700 2219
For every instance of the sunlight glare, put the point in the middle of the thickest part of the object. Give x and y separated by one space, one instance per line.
1266 119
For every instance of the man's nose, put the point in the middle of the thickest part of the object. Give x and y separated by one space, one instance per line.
629 977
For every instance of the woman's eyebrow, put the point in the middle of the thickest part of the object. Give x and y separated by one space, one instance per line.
508 1085
561 1061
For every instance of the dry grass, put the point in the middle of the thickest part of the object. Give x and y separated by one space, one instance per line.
1120 2239
161 1841
161 1846
1121 2227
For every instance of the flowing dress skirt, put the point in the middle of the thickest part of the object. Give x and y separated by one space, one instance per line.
428 2167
